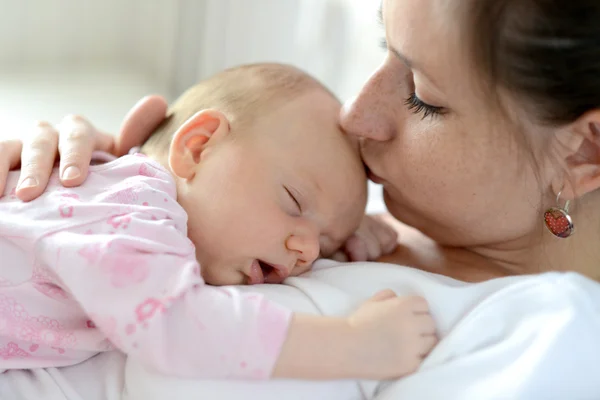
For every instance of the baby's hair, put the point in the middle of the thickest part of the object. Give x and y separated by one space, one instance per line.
242 93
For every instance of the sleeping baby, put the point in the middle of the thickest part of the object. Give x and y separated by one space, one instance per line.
248 181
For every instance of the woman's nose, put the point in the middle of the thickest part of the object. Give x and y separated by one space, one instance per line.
305 245
365 115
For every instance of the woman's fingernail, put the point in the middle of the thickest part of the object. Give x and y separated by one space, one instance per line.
71 172
28 183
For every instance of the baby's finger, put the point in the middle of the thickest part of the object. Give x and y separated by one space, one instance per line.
385 294
417 304
356 248
371 242
10 156
339 256
75 145
37 161
386 236
425 324
426 344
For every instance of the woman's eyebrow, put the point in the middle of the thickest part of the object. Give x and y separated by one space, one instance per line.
410 63
405 60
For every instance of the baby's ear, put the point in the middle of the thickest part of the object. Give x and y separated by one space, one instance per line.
191 139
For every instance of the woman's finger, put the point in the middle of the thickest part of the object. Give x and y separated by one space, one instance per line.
339 256
77 141
37 161
10 157
140 122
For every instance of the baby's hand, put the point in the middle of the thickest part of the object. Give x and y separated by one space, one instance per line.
373 239
397 333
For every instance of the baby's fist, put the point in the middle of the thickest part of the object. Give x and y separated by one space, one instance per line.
373 239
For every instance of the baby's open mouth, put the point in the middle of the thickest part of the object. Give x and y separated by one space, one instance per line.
264 272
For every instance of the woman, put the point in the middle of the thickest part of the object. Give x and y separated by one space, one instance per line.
482 124
475 129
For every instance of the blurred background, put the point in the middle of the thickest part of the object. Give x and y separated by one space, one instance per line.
98 57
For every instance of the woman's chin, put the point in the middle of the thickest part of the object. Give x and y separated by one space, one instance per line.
394 207
403 214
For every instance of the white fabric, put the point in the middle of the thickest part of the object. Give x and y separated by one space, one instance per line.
532 337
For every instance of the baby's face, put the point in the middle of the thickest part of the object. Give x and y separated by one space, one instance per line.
268 201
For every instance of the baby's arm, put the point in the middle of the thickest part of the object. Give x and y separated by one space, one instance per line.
387 337
147 296
142 288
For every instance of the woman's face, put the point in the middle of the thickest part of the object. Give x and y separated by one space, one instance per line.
449 164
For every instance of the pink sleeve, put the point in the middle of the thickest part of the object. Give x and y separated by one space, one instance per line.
143 289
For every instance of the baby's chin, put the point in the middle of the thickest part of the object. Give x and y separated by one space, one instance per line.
216 274
215 280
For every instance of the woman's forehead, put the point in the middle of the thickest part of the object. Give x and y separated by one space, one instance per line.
429 35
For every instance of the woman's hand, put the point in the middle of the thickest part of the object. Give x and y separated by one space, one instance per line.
373 239
74 140
10 157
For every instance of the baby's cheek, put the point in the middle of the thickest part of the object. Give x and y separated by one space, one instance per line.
328 246
222 275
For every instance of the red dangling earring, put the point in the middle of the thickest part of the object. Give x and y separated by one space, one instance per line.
558 221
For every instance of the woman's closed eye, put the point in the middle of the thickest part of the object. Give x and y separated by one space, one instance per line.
418 106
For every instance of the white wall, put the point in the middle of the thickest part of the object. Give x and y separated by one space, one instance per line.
170 44
335 40
48 33
90 57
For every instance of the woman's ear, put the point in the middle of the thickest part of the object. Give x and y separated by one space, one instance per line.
191 139
581 158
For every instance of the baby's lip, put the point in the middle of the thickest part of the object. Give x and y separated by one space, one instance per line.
277 274
256 276
265 272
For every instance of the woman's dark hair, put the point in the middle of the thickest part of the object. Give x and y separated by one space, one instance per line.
546 52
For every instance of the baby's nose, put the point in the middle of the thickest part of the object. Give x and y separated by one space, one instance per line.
306 246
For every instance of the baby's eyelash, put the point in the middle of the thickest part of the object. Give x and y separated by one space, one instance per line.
417 106
293 198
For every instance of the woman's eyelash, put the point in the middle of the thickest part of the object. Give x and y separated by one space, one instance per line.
293 198
417 106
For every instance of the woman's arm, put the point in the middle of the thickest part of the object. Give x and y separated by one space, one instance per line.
74 141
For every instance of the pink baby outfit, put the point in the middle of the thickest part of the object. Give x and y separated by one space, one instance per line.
109 265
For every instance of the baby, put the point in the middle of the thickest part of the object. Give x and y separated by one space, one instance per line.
248 181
